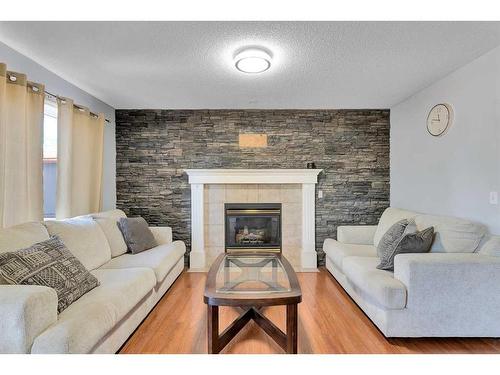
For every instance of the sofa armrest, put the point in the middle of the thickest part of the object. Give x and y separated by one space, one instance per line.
163 235
25 312
356 234
463 285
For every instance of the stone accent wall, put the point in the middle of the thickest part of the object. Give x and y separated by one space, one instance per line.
154 146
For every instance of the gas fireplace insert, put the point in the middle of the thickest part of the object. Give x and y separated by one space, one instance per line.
252 227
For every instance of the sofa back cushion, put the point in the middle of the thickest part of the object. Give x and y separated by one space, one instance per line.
84 238
390 217
491 246
108 221
452 235
21 236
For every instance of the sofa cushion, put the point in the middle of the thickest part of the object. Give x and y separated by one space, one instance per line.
161 259
83 324
390 216
21 236
452 235
491 247
377 286
162 235
48 263
84 238
108 221
337 251
25 312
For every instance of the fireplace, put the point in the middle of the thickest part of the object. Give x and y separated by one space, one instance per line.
252 227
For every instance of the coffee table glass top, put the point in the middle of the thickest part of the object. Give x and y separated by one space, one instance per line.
247 273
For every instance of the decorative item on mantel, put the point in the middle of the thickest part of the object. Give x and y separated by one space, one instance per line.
311 165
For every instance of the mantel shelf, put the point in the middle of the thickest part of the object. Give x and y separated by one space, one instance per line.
253 176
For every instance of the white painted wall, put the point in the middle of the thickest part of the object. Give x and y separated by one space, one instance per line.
56 85
452 174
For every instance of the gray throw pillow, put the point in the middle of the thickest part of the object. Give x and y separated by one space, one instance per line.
419 242
136 234
391 238
49 263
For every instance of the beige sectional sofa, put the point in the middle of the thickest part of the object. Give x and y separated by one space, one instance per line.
452 291
103 319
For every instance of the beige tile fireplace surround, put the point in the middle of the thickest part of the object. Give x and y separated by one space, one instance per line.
293 188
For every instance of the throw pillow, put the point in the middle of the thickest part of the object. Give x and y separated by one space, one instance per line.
49 263
419 242
136 234
391 238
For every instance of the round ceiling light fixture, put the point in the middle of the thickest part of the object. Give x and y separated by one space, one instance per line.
252 60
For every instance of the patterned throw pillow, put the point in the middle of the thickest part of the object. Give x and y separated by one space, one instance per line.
419 242
394 234
48 263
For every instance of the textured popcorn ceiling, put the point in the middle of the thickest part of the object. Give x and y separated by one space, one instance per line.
188 65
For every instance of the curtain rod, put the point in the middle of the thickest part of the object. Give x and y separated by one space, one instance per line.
13 77
61 98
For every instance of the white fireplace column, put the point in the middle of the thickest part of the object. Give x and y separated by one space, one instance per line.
197 255
307 178
308 254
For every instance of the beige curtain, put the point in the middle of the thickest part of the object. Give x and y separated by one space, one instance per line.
80 137
21 149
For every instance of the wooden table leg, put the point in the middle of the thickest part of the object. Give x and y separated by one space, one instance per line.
213 329
291 328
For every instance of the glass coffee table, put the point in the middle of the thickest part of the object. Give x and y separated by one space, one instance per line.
250 281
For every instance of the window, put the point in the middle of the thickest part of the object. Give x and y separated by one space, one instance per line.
49 158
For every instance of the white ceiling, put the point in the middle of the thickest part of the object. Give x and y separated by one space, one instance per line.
178 65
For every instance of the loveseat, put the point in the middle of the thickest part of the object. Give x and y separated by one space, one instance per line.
102 319
454 290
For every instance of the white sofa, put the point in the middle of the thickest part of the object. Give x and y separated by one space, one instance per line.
453 291
103 319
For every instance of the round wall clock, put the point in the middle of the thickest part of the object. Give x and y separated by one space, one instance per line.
439 119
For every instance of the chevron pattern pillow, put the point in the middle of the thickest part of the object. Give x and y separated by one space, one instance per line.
391 238
48 263
410 242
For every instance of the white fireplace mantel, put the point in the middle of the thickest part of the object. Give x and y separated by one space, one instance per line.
306 177
253 176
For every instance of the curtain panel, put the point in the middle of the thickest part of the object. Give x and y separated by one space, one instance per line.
80 144
21 149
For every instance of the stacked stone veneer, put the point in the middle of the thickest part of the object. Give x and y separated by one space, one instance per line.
154 146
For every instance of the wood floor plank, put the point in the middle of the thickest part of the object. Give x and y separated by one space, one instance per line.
329 322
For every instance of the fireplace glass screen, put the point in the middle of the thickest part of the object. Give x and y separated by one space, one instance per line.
253 226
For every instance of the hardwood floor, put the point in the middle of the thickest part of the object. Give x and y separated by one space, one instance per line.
329 322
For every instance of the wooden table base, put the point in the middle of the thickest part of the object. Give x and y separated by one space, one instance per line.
288 341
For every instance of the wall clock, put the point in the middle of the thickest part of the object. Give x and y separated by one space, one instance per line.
439 119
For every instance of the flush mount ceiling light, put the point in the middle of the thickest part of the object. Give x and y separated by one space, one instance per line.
252 60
